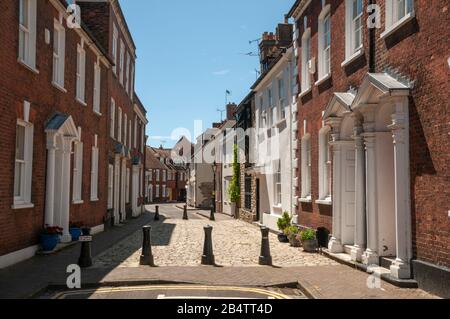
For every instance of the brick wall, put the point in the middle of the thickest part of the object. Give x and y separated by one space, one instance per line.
19 228
419 52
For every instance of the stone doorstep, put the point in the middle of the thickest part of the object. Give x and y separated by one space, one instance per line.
384 274
59 247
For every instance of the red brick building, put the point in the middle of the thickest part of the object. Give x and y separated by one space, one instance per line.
125 112
372 136
55 101
165 179
54 106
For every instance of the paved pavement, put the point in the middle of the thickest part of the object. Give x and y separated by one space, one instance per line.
237 255
177 242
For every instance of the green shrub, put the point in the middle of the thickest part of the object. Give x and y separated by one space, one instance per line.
308 234
291 231
284 222
234 190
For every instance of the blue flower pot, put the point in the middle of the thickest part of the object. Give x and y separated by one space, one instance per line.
49 242
75 233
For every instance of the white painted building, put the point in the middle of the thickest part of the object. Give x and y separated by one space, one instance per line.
275 133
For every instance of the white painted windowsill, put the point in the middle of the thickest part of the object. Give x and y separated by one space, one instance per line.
22 206
323 79
78 202
97 113
302 94
94 199
353 57
81 101
324 202
59 87
305 200
29 67
397 25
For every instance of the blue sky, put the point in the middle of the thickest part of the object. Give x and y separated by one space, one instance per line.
190 53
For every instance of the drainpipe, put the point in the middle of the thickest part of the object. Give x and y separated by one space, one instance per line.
372 45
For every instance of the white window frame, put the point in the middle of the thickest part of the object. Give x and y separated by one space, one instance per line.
110 186
119 125
129 133
157 191
81 74
94 170
351 51
122 61
132 79
306 168
125 129
270 107
164 176
114 48
324 166
127 74
277 184
281 84
127 187
306 57
59 55
393 19
113 119
77 172
97 87
27 34
324 39
23 199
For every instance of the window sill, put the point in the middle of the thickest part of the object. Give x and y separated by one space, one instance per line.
352 58
323 79
303 93
95 199
29 67
324 202
81 101
305 200
59 87
397 25
277 207
19 206
78 202
97 113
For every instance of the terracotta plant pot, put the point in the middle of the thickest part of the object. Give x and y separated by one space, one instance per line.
310 246
295 242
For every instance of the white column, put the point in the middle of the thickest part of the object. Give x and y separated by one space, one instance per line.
50 189
116 190
122 189
401 267
335 244
65 191
370 256
360 198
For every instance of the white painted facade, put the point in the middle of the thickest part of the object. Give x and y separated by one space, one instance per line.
275 135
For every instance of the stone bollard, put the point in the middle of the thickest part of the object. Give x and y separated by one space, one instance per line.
185 214
265 259
212 217
85 259
208 254
147 256
157 213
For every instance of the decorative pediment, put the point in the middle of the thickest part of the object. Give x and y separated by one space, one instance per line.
376 86
62 124
339 104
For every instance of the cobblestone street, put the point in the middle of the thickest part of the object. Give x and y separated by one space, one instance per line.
176 242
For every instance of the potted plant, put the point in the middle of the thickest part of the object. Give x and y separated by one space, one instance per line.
50 237
309 240
292 233
283 223
75 231
234 190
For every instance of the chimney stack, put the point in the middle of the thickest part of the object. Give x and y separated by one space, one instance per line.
231 109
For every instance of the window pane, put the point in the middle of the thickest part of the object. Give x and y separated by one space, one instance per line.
24 5
20 143
17 179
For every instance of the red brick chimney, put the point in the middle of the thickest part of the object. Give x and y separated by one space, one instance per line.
231 109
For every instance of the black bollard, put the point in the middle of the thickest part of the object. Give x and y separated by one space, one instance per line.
85 259
185 214
208 254
157 213
265 259
212 217
147 256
